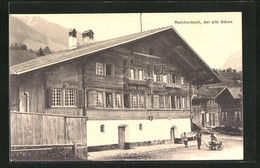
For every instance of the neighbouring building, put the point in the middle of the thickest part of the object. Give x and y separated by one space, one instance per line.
133 89
216 106
232 112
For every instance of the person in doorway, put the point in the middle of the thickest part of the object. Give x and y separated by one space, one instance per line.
198 137
185 139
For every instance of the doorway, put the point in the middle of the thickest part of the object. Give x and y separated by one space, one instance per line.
173 134
121 137
203 120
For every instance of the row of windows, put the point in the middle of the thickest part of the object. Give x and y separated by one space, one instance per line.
237 116
138 101
139 74
166 78
67 97
102 127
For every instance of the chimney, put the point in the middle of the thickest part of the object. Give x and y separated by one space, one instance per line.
72 39
87 37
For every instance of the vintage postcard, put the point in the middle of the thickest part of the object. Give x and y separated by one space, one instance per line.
126 86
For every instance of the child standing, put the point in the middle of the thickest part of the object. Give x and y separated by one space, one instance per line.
185 140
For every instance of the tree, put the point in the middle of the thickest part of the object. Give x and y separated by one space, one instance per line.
47 50
23 47
40 53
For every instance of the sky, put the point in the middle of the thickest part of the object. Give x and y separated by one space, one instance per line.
213 42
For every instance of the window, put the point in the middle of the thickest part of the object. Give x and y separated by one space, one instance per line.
161 105
140 74
99 68
102 128
141 101
56 97
240 115
156 78
178 102
108 70
182 80
99 99
173 102
132 73
109 100
211 102
167 102
134 101
183 103
165 78
140 127
63 97
235 113
226 116
172 78
117 100
69 97
207 117
126 100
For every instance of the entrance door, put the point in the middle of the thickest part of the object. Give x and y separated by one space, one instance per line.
172 135
121 137
203 120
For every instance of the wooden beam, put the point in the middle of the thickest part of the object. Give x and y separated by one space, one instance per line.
147 55
185 59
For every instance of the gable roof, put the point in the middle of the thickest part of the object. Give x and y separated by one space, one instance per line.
206 92
67 55
79 52
236 92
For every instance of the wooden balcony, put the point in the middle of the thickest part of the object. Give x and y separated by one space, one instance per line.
136 82
173 85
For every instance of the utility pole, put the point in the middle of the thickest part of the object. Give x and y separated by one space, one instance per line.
141 21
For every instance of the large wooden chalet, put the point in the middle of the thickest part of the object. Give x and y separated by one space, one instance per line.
133 89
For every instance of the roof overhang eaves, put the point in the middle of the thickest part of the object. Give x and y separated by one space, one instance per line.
193 52
91 52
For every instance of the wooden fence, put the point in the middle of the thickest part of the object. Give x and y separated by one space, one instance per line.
38 129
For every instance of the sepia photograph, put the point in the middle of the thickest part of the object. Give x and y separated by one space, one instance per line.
126 87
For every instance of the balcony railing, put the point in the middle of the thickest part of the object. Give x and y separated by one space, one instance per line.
137 82
173 85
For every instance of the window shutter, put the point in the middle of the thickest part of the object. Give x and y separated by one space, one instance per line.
92 95
156 101
79 100
48 97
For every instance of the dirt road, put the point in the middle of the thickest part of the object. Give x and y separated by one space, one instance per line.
233 150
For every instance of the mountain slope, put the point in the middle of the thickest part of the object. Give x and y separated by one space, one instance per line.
234 61
23 33
56 33
19 56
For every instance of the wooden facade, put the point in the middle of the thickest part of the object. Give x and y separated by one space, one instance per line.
231 111
147 78
206 113
217 111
